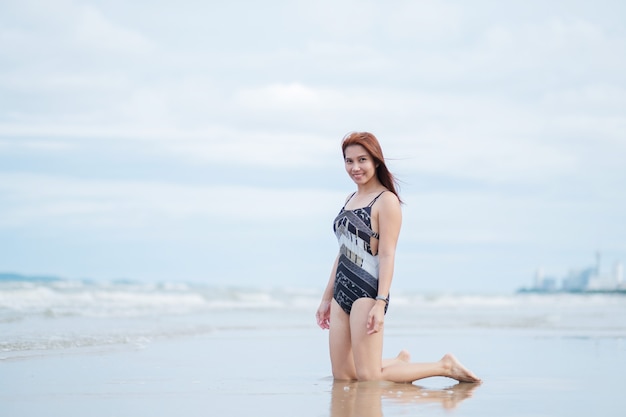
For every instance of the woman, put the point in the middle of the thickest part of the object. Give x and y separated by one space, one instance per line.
357 295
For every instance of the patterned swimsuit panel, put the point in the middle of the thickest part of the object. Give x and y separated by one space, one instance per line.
357 269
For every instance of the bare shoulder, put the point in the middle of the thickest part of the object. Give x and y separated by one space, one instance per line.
388 217
389 204
390 201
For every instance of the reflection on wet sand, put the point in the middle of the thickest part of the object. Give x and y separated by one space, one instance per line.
365 399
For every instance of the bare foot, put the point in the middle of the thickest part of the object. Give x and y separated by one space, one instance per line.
456 370
404 356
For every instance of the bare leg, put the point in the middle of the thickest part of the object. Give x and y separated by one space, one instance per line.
340 344
448 366
358 355
367 349
403 356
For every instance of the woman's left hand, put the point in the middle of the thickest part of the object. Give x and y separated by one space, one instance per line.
376 318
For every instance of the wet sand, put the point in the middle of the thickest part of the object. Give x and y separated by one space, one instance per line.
285 372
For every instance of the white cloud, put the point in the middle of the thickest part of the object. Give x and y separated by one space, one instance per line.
219 145
67 30
574 46
297 98
493 101
491 159
492 139
63 203
277 150
281 97
345 19
93 29
41 83
536 219
147 107
35 145
365 21
424 21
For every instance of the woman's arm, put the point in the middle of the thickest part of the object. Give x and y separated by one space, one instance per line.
323 311
389 223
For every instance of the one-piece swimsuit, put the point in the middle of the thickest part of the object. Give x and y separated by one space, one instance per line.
357 267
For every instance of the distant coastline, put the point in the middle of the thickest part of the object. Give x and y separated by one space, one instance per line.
588 280
10 276
571 291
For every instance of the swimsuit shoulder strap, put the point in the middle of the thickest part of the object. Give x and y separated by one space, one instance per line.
375 198
348 199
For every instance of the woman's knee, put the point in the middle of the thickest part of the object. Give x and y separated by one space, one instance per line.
342 373
368 374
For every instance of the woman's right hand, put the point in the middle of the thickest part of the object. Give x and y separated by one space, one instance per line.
323 315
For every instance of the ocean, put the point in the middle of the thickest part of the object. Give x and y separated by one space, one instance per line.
47 316
74 347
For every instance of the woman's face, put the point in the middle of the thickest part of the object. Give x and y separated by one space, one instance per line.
360 165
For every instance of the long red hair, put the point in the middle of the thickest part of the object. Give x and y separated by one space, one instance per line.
372 146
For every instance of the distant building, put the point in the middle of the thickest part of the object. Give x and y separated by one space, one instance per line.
601 283
618 272
580 280
544 283
538 278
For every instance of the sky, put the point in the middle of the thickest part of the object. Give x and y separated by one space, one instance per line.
199 141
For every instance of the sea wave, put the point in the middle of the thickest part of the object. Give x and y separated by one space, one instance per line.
21 299
58 315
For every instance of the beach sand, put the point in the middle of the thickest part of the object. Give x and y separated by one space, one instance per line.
285 371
